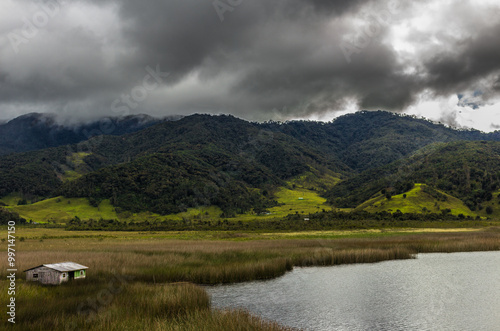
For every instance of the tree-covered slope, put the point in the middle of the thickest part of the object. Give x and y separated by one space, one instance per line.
39 131
167 183
469 171
198 160
370 139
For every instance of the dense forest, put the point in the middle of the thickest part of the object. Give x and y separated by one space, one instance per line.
237 165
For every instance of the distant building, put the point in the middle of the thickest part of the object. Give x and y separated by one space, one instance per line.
55 274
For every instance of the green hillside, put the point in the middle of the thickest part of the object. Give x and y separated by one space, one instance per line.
416 201
469 171
62 209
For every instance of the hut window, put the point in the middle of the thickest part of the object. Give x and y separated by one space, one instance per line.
64 275
35 275
82 273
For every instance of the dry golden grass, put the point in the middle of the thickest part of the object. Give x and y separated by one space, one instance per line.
134 306
210 262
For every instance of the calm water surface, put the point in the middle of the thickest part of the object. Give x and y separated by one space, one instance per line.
459 291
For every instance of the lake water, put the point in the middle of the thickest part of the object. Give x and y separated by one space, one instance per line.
458 291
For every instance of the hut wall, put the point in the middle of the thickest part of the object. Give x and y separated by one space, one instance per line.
45 276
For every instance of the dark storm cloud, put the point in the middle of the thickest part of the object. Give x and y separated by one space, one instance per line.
263 59
466 65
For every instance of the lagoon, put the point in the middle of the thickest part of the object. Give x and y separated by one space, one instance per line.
456 291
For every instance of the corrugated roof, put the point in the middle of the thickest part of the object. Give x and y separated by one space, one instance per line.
63 266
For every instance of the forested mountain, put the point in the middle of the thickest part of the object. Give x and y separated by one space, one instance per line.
369 139
469 171
38 131
197 160
237 165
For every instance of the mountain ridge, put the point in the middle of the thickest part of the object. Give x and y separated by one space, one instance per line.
232 163
37 131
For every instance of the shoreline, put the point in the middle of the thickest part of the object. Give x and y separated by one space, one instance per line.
167 267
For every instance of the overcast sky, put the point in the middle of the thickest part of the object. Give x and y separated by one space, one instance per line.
256 59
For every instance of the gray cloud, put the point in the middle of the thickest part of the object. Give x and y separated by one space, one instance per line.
264 60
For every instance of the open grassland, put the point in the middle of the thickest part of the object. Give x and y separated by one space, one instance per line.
145 281
313 181
37 234
61 210
11 199
416 201
291 201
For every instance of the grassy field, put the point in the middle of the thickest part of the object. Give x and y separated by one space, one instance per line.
37 234
416 201
75 166
154 273
11 200
61 210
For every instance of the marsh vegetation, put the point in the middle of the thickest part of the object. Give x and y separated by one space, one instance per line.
153 276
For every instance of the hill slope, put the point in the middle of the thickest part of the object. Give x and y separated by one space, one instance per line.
416 200
469 171
38 131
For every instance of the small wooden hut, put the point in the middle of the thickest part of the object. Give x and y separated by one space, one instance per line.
57 273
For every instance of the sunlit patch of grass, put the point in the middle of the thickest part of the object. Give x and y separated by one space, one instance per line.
11 199
291 201
416 201
311 181
201 213
61 210
75 166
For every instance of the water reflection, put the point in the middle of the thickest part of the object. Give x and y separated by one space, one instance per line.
459 291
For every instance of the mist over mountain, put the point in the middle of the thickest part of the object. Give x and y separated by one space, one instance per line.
38 131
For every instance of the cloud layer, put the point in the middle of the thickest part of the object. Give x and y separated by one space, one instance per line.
256 59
